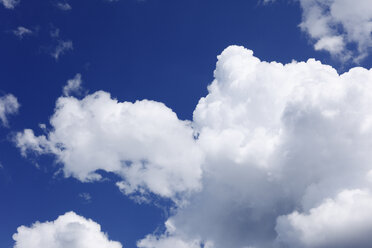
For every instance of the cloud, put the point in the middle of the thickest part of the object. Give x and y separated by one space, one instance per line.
73 85
68 230
20 32
64 6
271 150
335 25
142 142
86 197
276 139
10 4
61 48
8 106
345 221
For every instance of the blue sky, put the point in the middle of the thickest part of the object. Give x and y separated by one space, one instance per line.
166 51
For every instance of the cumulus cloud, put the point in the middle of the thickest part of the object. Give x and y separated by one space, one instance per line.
335 25
272 149
68 230
142 142
345 221
10 4
277 139
73 85
21 32
8 106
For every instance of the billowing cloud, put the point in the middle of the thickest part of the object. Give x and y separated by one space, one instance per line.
277 139
20 32
68 230
142 142
272 149
9 4
73 85
345 221
8 106
335 25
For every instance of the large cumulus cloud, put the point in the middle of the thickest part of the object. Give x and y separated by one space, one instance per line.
272 150
68 230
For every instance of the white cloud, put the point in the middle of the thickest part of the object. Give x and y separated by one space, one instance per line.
20 32
85 196
273 139
54 32
10 4
8 106
68 230
73 85
61 48
335 24
345 221
143 142
64 6
276 139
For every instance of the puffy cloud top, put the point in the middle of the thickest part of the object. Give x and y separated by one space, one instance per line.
68 230
274 153
143 142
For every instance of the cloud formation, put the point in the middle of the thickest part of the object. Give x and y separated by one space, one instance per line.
337 25
64 6
10 4
73 85
345 221
272 151
142 142
20 32
8 106
62 47
68 230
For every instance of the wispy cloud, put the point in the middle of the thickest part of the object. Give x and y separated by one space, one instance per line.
61 48
73 85
21 32
10 4
64 6
9 105
86 197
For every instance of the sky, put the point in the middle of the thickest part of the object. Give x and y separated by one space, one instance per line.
187 124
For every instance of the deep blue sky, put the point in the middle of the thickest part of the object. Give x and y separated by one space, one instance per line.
163 50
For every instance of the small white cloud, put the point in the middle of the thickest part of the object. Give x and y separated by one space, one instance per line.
20 32
68 230
61 48
54 32
8 106
64 6
73 85
334 24
10 4
85 196
42 126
